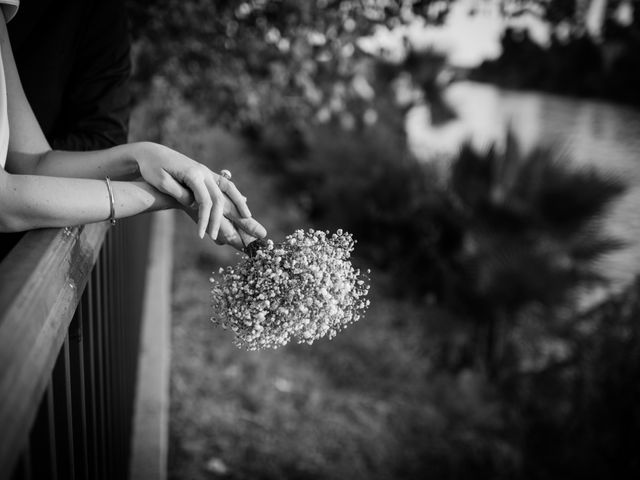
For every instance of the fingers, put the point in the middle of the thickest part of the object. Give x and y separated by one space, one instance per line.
218 207
247 225
235 231
171 187
237 236
222 209
170 172
231 191
203 199
245 237
250 227
229 235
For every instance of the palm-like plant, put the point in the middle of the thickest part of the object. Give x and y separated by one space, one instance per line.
532 236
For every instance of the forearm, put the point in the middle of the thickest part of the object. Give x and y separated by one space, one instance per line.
28 201
29 152
118 163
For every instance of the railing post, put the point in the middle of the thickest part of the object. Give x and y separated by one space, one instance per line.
150 434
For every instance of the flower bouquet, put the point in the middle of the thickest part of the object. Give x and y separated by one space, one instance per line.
304 288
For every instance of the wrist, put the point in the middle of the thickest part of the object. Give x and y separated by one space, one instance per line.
142 152
149 198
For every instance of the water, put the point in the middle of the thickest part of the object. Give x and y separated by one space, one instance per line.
596 133
601 134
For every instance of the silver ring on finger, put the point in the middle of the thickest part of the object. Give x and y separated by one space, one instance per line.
225 174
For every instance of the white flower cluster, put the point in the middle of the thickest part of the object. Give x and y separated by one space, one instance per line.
302 289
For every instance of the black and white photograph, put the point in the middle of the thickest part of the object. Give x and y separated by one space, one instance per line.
319 239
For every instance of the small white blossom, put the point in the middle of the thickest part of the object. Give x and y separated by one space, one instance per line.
303 289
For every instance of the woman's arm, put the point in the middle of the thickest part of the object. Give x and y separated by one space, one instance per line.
30 201
55 202
118 163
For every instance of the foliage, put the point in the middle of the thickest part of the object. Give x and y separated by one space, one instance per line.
246 63
577 64
367 405
532 237
530 213
507 236
312 413
579 414
486 370
250 63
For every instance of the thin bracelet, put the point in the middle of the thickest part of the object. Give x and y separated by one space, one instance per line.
112 213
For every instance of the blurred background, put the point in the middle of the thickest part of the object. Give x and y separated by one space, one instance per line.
485 154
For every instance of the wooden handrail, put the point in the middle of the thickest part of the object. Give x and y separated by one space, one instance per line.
41 282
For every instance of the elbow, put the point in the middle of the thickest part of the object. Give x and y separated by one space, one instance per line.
11 219
19 163
11 223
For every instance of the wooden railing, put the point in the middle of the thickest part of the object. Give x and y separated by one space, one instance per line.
70 309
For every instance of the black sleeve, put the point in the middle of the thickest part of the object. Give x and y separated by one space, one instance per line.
96 99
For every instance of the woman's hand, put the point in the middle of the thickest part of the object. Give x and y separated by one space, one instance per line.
234 229
220 206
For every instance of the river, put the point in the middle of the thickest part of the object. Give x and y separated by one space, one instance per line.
596 133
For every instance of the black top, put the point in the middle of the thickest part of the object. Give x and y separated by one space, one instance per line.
73 60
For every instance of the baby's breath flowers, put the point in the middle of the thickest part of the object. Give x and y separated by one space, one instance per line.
303 289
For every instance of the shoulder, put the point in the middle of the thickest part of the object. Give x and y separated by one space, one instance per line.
9 8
